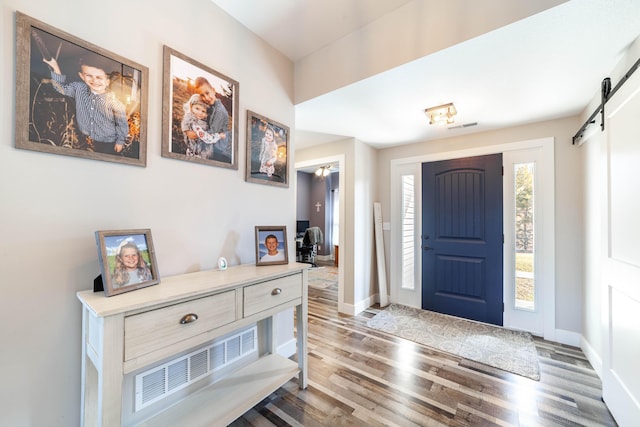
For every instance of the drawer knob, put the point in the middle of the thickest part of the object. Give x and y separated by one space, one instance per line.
276 291
188 318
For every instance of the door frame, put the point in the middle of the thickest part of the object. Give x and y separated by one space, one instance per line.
547 248
340 160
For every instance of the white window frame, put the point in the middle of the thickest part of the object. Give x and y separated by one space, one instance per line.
400 295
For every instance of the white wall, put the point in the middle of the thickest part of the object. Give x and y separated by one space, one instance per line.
427 26
51 205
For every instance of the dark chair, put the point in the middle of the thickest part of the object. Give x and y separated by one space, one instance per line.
309 248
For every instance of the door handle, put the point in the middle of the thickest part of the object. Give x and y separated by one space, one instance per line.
427 248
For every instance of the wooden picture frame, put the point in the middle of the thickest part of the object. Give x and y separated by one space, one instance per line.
186 84
267 151
53 98
127 260
265 236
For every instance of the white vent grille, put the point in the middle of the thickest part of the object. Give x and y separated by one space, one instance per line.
177 374
161 381
217 355
153 386
199 364
233 348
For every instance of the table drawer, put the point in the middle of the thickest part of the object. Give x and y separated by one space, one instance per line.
270 294
152 330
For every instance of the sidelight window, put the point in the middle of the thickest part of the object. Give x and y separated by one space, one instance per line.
524 192
408 231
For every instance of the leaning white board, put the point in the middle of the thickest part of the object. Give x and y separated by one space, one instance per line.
382 271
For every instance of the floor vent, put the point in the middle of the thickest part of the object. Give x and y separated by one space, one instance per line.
161 381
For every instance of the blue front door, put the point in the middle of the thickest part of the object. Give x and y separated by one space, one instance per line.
462 238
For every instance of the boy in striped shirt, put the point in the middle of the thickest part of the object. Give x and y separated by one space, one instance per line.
101 117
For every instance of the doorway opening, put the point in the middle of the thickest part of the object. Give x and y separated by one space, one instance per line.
324 206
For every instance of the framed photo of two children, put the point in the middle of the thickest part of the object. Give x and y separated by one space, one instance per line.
199 112
77 99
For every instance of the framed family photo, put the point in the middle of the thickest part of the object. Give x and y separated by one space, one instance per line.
271 245
77 99
199 112
127 260
267 151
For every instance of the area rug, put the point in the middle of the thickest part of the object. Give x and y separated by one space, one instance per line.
512 351
323 277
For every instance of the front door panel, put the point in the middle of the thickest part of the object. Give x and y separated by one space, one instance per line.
462 239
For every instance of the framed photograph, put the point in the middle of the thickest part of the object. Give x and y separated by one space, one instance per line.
271 245
127 260
78 99
199 112
267 151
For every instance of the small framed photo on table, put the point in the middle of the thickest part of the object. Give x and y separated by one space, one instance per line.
271 245
127 260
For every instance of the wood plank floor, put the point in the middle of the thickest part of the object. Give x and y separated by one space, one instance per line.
362 377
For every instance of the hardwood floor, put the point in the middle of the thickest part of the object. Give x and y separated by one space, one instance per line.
362 377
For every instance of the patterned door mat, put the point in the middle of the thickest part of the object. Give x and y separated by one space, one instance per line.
512 351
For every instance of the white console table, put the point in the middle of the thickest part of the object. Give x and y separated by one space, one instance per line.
127 332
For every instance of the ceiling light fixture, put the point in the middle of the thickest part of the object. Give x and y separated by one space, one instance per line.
323 171
442 114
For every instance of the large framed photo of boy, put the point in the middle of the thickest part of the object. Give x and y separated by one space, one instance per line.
267 151
199 112
127 260
77 99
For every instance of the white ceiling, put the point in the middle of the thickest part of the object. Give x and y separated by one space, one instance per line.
546 66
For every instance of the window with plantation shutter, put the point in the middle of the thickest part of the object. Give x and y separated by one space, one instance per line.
408 231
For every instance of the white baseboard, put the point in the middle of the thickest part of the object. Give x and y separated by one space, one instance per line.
366 303
577 340
355 309
348 309
592 356
568 337
287 349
